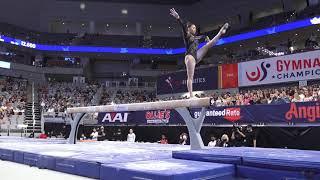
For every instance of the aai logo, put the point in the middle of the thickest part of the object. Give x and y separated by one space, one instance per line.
113 117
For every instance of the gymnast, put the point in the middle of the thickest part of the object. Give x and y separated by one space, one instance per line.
191 41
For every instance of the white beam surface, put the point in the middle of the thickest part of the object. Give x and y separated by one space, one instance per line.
196 102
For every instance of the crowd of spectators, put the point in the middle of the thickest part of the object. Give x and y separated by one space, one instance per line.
261 95
13 97
278 95
56 96
135 96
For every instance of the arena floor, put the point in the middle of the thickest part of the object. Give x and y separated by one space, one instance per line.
123 160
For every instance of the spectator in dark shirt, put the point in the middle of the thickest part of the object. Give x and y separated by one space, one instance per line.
101 134
237 136
250 137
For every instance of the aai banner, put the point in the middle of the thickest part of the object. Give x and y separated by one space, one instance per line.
154 117
304 112
294 67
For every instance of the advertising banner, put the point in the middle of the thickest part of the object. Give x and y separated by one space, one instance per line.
204 79
228 76
304 112
294 67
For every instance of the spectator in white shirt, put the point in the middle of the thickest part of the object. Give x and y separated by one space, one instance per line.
131 136
213 142
183 138
94 134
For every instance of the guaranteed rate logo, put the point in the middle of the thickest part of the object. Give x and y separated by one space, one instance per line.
309 112
158 117
259 74
230 114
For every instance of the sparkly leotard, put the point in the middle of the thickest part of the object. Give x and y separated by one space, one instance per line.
190 41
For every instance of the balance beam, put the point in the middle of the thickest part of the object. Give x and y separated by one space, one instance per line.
145 106
181 106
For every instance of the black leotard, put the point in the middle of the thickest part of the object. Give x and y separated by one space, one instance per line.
190 41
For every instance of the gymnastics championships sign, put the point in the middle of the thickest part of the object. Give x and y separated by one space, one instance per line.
294 67
271 114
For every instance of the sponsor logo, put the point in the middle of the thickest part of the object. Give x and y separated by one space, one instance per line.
311 112
113 117
124 50
158 117
230 114
315 20
169 81
66 48
195 81
257 75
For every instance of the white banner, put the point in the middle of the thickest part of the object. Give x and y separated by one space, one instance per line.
303 83
294 67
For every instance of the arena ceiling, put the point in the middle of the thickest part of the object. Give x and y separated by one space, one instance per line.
163 2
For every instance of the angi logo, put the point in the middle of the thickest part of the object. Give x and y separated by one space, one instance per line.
256 75
311 112
113 117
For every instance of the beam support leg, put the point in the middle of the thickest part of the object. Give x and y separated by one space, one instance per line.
194 127
74 128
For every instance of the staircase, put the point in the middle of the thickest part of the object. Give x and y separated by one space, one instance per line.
33 118
32 111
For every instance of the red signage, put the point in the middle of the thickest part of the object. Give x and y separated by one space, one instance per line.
229 76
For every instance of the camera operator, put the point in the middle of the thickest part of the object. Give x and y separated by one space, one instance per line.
237 136
250 137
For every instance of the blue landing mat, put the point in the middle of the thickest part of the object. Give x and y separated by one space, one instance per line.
281 159
82 159
89 164
217 155
6 154
168 169
268 174
78 167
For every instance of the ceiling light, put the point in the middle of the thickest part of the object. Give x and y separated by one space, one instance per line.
124 11
82 6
